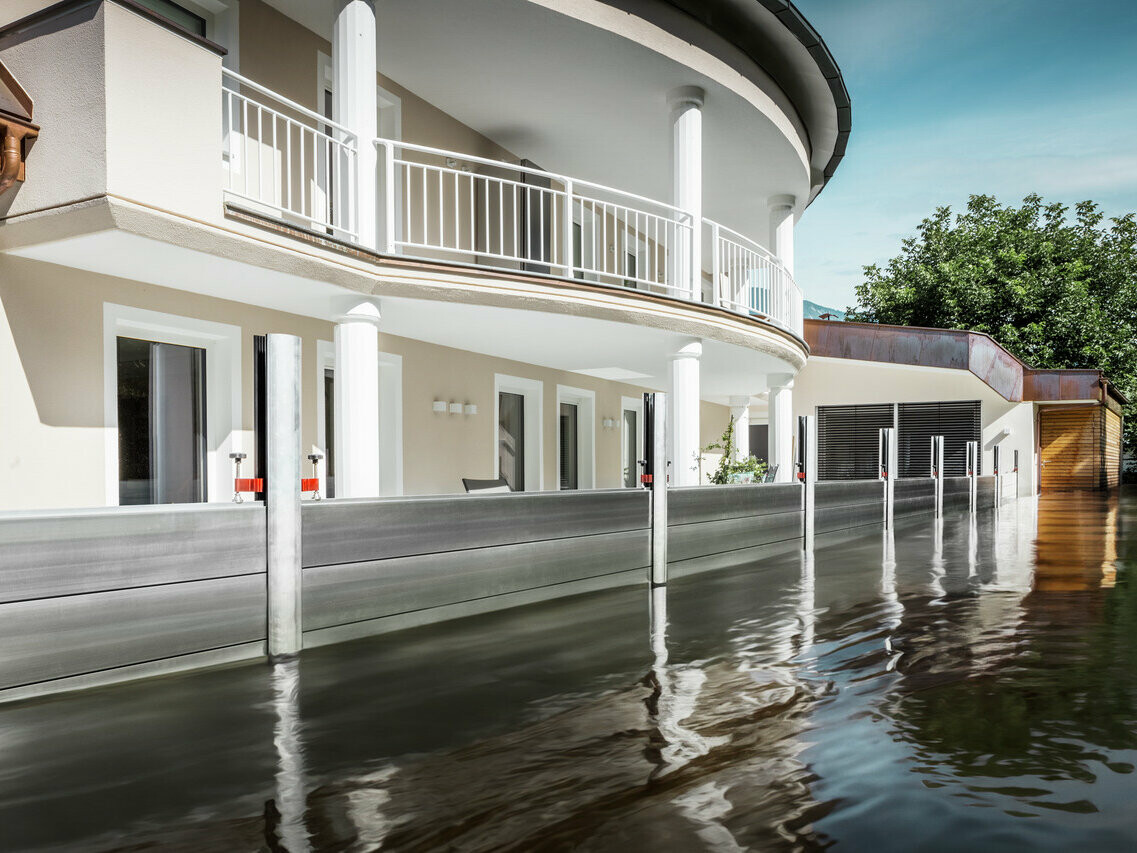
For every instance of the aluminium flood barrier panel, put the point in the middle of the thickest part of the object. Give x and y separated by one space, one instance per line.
86 592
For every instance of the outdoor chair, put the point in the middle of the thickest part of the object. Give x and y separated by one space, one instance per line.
486 486
771 473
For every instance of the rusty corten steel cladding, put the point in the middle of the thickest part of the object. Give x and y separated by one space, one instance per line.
955 349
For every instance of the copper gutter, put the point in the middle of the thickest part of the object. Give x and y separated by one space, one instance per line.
17 130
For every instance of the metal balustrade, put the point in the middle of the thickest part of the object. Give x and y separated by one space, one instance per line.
289 162
751 280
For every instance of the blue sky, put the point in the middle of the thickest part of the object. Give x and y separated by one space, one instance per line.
954 97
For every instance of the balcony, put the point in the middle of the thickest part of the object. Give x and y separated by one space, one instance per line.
291 164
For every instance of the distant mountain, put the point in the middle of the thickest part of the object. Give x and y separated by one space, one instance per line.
813 311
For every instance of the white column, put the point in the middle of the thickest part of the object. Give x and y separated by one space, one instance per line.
781 437
357 402
686 105
782 229
740 415
282 494
355 102
684 408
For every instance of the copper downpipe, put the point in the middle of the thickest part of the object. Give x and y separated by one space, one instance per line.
10 157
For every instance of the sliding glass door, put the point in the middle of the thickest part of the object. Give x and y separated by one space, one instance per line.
161 423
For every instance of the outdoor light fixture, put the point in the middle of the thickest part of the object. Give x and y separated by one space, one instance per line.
455 408
439 406
609 423
471 409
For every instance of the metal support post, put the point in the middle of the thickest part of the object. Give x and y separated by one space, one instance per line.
889 462
937 465
807 451
658 454
973 473
282 494
998 477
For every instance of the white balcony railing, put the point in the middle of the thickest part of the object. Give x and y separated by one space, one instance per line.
286 160
751 280
289 162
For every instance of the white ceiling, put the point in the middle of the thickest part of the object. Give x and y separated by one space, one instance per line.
575 99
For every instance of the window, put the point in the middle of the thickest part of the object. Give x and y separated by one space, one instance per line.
848 440
958 422
511 439
179 15
630 459
161 422
568 447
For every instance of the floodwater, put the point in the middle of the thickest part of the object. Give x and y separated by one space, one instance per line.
964 686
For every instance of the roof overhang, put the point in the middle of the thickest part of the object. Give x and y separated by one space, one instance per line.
959 349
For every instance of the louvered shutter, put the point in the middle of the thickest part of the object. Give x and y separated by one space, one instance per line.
958 422
848 440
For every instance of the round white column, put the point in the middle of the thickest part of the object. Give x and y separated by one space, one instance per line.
355 104
684 409
686 105
740 415
357 402
781 439
782 229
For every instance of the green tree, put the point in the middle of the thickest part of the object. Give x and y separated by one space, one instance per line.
1056 290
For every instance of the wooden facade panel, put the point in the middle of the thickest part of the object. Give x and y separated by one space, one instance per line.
1074 449
1111 449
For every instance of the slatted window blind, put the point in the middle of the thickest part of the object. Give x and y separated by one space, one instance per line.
958 422
847 440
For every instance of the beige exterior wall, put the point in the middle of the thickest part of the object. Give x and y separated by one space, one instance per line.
829 381
53 433
279 53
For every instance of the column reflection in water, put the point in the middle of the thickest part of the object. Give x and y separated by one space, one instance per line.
291 797
936 582
893 613
674 698
807 601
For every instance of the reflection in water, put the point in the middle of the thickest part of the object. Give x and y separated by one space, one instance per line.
291 791
962 684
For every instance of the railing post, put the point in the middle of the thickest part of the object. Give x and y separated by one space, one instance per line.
569 250
888 457
998 479
657 411
716 267
973 473
807 444
282 494
387 226
937 466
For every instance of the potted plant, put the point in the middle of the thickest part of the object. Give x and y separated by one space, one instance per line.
731 470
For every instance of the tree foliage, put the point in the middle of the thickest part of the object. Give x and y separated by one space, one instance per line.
1056 290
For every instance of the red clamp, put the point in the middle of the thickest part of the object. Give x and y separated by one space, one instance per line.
248 484
309 484
645 479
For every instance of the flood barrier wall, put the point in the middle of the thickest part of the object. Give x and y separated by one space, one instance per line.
134 589
92 596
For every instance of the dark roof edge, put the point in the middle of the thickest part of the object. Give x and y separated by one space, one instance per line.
57 9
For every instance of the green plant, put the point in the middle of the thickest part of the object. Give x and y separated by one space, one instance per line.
731 470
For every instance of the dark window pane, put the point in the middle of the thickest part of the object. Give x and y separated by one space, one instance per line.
181 16
511 439
161 417
568 446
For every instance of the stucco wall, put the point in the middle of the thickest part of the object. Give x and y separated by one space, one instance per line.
53 430
828 381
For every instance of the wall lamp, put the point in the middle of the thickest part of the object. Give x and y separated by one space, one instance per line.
441 407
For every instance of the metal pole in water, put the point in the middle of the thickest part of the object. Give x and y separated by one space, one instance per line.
807 449
658 454
938 472
889 462
973 473
282 494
